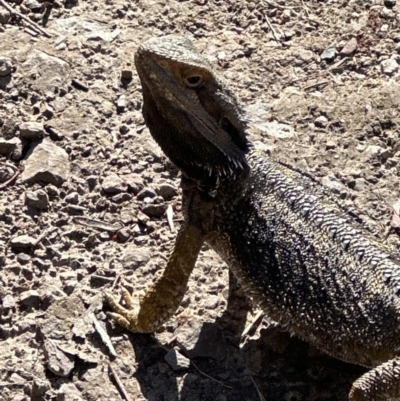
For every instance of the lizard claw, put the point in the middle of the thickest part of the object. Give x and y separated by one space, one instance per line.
125 316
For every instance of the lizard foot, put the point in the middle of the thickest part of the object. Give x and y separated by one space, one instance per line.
125 316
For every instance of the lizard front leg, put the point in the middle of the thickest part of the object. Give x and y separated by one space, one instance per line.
379 384
163 298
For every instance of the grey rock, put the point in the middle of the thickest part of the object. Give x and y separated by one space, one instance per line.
58 362
10 146
73 198
6 66
146 193
51 72
176 360
4 16
124 234
22 242
23 258
31 130
389 66
152 210
349 48
37 199
46 162
329 53
167 191
68 392
8 302
321 122
113 184
29 298
135 257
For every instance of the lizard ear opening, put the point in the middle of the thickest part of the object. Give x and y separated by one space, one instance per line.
238 138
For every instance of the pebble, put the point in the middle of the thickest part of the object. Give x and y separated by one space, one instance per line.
8 302
152 210
166 191
23 258
37 199
176 360
46 162
321 122
135 257
113 184
30 298
73 198
6 66
329 53
31 130
389 66
22 242
146 193
349 48
4 16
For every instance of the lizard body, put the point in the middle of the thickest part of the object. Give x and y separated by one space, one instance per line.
313 267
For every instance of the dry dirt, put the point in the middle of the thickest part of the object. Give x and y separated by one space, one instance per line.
84 191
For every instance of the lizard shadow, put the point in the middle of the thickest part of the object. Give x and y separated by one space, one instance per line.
273 365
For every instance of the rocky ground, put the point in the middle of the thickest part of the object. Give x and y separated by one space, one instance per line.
88 201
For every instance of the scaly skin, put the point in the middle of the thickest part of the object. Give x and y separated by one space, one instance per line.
311 265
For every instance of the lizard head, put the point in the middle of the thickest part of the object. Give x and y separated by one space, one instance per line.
190 111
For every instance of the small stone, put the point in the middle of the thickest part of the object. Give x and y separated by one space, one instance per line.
92 181
37 199
113 184
31 130
127 73
23 258
146 193
329 53
124 234
119 198
68 392
135 257
22 242
73 198
152 210
29 298
389 66
176 360
330 145
4 16
167 191
321 122
350 47
104 236
46 162
6 66
285 16
358 184
9 146
8 302
121 103
389 3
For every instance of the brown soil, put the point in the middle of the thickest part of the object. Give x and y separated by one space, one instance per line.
104 222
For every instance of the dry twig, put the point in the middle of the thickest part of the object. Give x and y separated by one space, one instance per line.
118 381
262 398
16 174
274 34
26 19
211 378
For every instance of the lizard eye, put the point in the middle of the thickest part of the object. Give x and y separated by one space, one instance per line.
193 81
